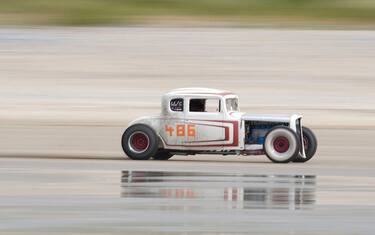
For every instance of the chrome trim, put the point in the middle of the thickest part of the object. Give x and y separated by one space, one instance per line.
302 151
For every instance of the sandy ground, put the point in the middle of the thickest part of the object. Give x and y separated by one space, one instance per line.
59 84
68 94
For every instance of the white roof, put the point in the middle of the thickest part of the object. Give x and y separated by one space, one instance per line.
198 90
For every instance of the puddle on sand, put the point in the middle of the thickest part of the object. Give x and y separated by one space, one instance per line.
212 190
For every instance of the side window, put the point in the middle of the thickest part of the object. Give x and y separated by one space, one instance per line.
212 106
204 105
177 105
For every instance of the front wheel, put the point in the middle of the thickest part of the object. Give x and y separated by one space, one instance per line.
281 144
310 145
139 142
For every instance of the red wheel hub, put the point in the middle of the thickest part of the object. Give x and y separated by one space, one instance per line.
139 141
281 144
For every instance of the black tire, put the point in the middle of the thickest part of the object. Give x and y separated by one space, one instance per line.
311 145
281 144
135 145
162 155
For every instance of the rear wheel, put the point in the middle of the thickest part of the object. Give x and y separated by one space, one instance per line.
162 155
281 144
139 142
310 145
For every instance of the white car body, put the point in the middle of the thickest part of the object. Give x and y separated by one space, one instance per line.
221 131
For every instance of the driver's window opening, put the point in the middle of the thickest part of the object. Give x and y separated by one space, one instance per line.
204 105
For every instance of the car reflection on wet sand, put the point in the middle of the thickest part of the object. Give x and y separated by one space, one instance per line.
232 191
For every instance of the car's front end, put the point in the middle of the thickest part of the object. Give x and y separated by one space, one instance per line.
257 127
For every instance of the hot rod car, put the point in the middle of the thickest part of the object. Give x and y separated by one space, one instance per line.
208 121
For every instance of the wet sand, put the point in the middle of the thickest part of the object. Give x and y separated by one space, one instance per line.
85 196
331 194
66 95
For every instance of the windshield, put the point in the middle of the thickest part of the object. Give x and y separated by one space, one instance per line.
232 104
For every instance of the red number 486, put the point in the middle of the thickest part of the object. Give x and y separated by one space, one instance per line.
181 130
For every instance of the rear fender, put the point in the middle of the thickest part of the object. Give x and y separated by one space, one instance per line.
154 123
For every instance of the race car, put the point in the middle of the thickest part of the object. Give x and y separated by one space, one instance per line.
209 121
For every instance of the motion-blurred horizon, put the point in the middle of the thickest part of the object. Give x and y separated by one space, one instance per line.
236 12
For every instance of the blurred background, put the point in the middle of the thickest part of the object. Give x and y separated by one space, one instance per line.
73 73
236 12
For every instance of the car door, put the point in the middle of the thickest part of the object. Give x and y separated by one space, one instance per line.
204 123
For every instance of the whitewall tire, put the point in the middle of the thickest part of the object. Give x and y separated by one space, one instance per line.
281 144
